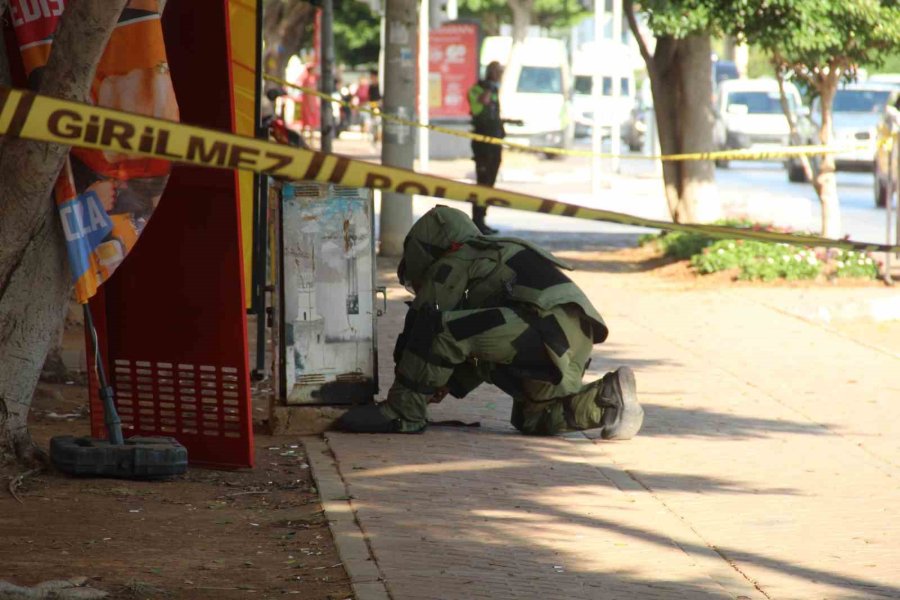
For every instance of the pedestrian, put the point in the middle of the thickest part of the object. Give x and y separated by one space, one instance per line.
497 310
484 106
310 103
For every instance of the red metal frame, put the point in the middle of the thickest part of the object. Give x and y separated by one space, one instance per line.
172 320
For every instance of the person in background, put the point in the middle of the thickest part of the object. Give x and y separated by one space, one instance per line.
484 106
374 87
362 101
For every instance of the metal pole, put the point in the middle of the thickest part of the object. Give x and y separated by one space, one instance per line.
260 212
597 97
107 395
326 84
424 50
893 229
616 132
398 148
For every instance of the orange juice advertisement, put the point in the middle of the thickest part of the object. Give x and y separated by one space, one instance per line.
105 198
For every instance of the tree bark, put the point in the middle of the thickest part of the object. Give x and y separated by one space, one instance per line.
825 182
34 280
792 122
681 84
283 28
521 18
680 73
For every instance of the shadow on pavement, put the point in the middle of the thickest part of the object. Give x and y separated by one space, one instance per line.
672 421
490 513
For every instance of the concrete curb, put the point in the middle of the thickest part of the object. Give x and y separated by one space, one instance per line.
365 576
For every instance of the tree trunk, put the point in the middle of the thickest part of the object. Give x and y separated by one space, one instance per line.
680 80
32 307
792 122
34 281
284 25
825 182
521 18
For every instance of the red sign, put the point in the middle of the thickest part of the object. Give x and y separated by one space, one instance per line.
452 69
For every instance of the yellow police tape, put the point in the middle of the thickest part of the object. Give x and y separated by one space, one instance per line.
748 154
32 116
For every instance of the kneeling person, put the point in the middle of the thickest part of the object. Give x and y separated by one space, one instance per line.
497 310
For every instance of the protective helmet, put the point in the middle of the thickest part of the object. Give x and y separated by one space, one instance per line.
432 236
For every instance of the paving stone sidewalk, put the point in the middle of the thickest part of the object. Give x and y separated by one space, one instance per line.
768 468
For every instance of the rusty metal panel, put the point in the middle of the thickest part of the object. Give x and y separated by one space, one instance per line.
328 256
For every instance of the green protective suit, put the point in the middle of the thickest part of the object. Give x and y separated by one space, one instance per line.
497 310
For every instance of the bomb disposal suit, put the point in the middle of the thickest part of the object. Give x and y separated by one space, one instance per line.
497 310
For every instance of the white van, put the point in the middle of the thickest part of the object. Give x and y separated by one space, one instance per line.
536 89
611 63
749 115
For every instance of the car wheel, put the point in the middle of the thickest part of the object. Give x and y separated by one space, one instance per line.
881 194
721 163
796 173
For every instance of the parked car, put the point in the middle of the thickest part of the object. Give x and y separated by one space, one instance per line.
749 115
612 69
635 126
885 167
723 70
856 111
536 90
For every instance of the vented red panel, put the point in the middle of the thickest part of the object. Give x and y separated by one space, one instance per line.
172 320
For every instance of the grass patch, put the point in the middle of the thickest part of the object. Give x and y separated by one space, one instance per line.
765 261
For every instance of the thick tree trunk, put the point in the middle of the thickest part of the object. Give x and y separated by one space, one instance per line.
521 18
34 282
825 182
31 309
680 80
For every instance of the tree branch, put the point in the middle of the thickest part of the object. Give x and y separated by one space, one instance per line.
628 7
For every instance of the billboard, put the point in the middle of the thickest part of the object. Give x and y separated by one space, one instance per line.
105 198
452 69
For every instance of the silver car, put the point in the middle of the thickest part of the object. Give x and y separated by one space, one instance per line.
856 112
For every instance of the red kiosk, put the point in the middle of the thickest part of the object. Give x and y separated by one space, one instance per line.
172 320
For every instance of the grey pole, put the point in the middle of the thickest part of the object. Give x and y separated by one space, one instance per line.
326 84
399 98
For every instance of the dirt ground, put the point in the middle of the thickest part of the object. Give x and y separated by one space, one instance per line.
206 535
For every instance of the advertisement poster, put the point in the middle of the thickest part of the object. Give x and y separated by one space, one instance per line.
105 198
452 69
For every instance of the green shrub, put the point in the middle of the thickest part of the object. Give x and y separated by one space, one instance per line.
765 261
682 245
853 264
758 260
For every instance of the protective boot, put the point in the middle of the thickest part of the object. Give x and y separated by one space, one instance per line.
367 418
622 414
478 215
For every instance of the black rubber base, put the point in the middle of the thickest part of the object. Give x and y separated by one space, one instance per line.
138 458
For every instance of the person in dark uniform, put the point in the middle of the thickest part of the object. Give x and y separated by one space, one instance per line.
484 106
491 309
